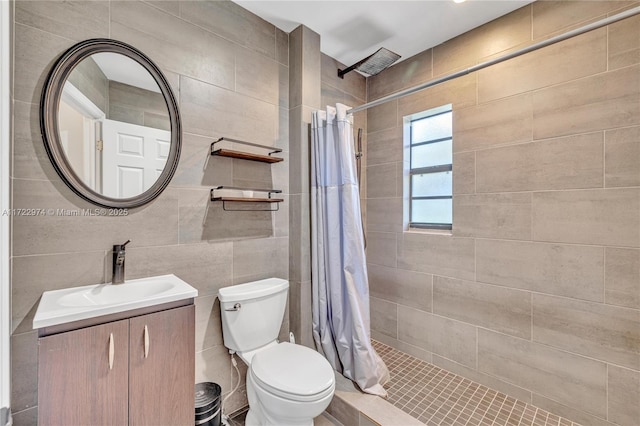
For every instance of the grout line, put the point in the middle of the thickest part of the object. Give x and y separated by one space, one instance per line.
606 411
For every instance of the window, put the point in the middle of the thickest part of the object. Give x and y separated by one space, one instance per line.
431 165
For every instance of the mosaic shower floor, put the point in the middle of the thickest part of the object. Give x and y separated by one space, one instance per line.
437 397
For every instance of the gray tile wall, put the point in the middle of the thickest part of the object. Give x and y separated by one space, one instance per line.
304 98
230 72
536 291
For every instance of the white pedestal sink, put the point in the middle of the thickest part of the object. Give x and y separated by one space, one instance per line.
79 303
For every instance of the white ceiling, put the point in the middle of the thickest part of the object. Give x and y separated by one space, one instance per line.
353 29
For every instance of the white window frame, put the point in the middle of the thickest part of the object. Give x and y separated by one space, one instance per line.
422 170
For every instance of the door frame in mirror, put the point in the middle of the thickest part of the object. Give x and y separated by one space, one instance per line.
50 100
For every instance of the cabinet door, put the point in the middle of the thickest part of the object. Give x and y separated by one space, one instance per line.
162 373
79 382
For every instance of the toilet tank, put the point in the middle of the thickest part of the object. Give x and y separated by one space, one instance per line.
252 313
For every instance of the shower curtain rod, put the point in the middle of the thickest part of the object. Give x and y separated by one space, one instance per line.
578 31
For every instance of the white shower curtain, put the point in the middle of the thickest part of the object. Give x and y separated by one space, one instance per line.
339 276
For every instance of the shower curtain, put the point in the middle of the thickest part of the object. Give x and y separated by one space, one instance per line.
340 303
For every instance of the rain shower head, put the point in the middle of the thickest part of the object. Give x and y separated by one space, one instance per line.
373 64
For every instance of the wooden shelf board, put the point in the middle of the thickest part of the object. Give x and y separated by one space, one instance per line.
246 156
249 200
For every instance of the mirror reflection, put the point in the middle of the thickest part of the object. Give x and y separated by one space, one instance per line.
114 125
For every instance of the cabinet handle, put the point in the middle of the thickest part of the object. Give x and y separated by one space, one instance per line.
146 341
111 351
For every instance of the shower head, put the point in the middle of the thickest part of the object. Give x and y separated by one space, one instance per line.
373 64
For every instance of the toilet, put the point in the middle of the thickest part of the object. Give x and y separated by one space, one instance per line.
287 384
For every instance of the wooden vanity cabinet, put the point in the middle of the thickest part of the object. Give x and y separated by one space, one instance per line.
136 371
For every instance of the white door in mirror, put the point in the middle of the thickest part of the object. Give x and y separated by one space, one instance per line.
133 157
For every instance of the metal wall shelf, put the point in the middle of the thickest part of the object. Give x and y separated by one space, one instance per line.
246 155
226 199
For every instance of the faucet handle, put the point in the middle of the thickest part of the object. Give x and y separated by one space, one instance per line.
122 246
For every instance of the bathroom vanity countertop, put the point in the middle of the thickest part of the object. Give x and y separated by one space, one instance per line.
81 303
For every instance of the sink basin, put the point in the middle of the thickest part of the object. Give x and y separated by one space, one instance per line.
78 303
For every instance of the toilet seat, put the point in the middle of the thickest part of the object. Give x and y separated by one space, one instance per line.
293 372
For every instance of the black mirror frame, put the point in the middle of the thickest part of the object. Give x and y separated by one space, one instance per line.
50 100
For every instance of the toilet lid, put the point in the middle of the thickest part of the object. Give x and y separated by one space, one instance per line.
293 369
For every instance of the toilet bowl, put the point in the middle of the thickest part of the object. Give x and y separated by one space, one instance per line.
287 384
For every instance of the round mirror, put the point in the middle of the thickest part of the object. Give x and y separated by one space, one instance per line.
110 124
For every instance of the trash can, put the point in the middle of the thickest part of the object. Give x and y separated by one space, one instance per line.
208 404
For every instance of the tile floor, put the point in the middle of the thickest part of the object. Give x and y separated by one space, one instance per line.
437 397
237 419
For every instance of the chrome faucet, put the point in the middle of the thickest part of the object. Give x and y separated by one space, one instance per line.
118 263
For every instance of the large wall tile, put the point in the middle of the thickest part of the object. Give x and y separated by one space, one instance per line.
198 168
381 248
464 173
565 270
299 237
258 76
495 123
505 216
460 93
54 17
408 73
170 6
384 317
498 308
33 275
568 412
552 16
26 417
207 267
331 95
603 101
384 214
30 159
568 378
24 368
384 146
382 117
381 181
624 43
599 331
624 395
175 44
412 327
607 217
141 225
437 254
402 346
282 47
213 365
485 379
260 258
496 36
573 58
451 339
232 22
211 111
208 322
305 67
562 163
352 83
35 52
622 277
299 149
406 288
622 155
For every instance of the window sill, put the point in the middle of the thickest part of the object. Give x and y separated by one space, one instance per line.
429 231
